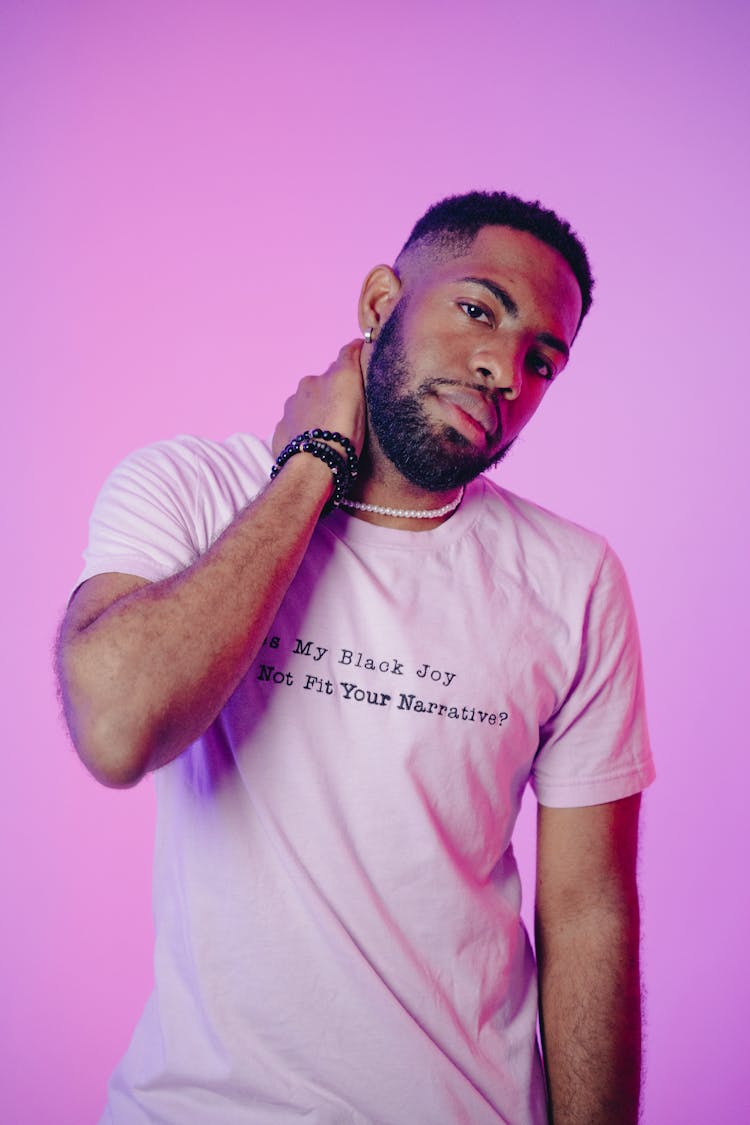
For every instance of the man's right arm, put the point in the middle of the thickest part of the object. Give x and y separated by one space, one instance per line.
145 667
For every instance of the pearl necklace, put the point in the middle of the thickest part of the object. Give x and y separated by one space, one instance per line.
405 513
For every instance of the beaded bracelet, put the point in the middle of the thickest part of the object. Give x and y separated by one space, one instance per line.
352 461
314 442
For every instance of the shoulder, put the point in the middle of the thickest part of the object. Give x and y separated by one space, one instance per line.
187 455
545 547
192 470
165 503
536 522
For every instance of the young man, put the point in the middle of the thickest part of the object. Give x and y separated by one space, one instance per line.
343 707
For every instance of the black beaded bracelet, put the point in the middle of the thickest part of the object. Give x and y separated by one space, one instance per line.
352 461
344 471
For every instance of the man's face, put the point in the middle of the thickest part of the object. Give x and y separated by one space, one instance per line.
467 354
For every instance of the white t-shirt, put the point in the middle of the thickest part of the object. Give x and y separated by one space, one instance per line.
336 899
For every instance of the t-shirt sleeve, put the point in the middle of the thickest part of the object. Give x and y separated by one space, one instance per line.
143 519
595 747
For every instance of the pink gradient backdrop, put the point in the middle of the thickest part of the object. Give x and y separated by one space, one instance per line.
190 194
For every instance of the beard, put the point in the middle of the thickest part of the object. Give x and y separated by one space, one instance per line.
430 455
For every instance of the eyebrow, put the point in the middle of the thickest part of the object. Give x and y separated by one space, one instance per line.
553 342
503 297
511 308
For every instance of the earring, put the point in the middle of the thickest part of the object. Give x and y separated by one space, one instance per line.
368 335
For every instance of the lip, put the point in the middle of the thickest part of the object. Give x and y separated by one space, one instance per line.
478 408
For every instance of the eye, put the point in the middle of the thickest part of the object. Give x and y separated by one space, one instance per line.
475 312
540 365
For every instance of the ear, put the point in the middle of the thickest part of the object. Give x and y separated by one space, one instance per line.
380 292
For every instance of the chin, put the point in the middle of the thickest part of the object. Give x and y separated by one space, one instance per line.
436 462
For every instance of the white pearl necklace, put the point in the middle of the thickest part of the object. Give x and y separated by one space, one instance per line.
405 513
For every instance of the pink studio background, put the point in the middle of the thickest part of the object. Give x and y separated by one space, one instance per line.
190 194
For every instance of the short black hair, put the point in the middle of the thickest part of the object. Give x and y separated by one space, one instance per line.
452 225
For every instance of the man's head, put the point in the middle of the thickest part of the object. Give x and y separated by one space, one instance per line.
470 327
449 227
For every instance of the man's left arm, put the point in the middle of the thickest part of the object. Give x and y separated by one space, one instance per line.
587 938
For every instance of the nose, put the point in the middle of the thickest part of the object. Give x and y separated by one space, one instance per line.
501 370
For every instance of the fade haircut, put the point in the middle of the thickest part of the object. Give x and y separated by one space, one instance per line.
450 227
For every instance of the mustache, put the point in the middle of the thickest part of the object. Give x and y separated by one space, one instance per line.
444 381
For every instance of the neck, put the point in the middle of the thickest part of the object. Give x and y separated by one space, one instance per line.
382 486
360 507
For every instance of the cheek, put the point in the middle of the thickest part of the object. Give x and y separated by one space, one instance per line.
427 351
445 358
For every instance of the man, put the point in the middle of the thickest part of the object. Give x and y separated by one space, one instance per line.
343 707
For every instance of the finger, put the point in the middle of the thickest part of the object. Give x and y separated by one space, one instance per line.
354 352
353 347
350 353
348 357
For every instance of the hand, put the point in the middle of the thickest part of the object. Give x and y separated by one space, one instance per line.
333 401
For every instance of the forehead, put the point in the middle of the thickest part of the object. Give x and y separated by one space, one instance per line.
535 275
